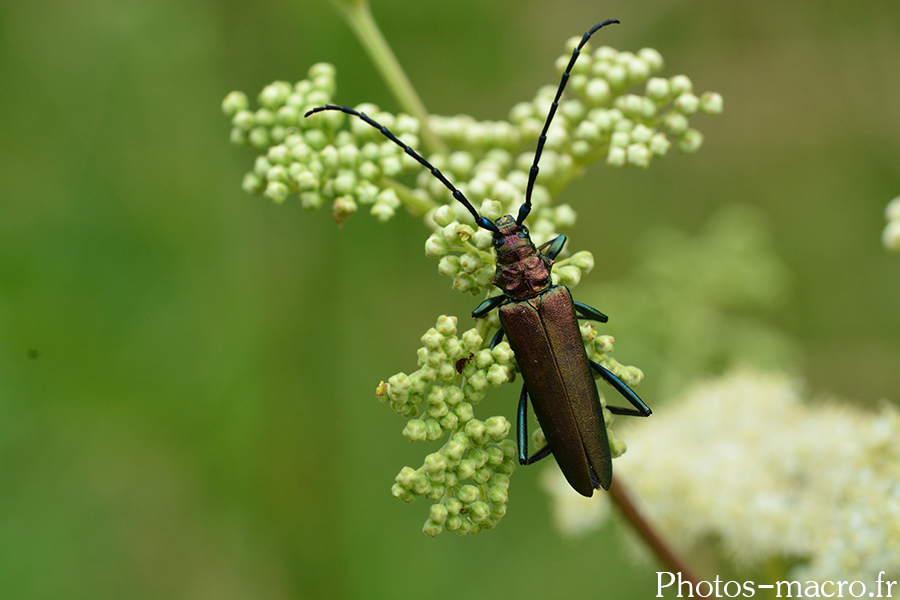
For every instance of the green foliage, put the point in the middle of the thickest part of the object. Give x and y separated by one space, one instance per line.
698 304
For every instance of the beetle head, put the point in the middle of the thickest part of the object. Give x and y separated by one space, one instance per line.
510 236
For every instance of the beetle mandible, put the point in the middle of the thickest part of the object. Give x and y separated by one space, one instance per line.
541 321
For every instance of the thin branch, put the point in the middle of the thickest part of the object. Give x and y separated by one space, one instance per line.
618 493
363 24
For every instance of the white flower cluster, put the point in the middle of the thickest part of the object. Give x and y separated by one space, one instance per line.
573 515
891 235
443 359
747 461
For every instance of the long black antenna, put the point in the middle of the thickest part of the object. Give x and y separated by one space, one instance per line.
482 222
526 207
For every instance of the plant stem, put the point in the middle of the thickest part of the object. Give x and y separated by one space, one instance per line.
415 205
618 493
363 24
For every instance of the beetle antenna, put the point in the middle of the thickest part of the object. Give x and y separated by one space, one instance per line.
526 207
482 222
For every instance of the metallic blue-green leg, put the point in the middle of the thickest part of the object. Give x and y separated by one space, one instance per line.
640 409
590 313
498 337
552 248
488 305
522 433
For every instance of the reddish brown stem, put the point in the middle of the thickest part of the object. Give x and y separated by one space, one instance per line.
618 493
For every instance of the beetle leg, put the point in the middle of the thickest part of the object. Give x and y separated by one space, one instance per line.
498 337
553 247
522 433
640 409
489 305
590 313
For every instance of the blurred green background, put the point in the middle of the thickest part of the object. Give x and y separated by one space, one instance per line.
187 373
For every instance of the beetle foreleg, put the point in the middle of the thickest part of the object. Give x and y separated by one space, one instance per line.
553 247
522 432
640 409
489 305
590 313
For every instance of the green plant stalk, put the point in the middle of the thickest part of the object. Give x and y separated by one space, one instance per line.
363 24
414 204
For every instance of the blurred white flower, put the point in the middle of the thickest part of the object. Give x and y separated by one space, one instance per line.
573 514
891 235
745 460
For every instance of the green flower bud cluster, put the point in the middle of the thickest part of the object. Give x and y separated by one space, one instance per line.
468 478
891 235
345 161
503 179
467 255
315 158
493 159
281 108
607 120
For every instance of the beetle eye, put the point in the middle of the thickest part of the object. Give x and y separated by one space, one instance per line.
522 233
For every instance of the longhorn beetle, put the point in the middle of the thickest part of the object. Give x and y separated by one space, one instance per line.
541 321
